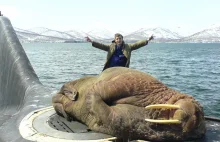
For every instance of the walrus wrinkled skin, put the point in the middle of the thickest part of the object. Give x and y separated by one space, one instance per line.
114 103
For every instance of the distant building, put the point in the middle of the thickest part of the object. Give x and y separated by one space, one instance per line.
1 14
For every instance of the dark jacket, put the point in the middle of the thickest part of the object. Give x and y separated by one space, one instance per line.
126 49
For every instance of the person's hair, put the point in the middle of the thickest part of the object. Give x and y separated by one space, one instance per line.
117 35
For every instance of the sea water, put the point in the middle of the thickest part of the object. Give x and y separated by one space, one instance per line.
193 68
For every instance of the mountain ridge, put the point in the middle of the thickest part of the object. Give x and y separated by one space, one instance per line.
42 34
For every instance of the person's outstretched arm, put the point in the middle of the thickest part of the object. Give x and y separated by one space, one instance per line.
98 45
141 43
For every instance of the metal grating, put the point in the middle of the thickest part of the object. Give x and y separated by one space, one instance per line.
59 123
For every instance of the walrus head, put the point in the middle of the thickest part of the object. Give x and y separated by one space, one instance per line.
186 114
71 94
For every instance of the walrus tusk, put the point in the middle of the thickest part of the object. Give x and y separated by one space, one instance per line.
164 121
168 106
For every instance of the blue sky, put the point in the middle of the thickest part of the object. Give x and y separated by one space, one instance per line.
184 16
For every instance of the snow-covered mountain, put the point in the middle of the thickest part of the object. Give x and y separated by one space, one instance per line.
103 35
38 30
209 35
24 31
51 33
100 34
28 36
160 34
41 34
77 34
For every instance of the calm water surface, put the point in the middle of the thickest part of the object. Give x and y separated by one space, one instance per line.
189 68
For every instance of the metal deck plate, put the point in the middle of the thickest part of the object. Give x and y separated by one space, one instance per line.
46 125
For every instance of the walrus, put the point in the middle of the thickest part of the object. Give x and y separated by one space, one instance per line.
131 104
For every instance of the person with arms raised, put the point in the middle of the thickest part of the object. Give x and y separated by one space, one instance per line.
119 53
